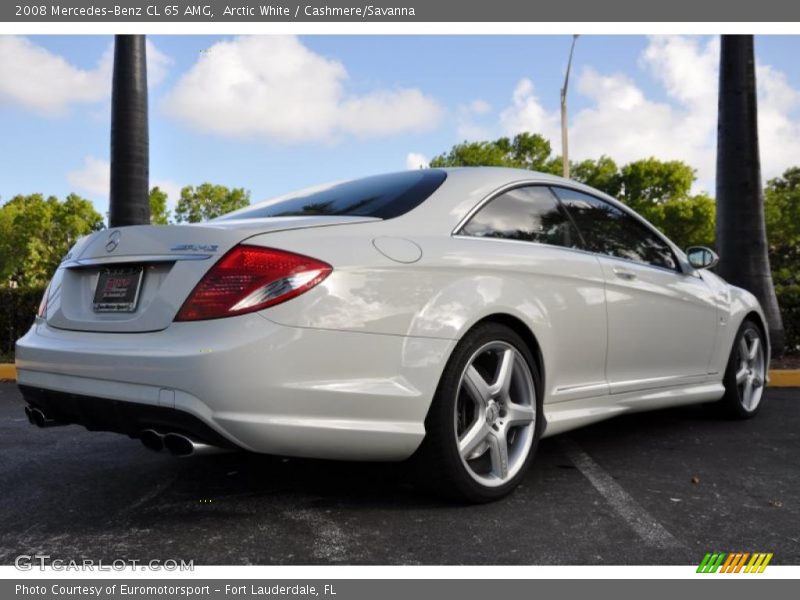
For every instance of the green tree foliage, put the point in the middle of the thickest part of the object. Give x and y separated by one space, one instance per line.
208 201
602 174
686 221
652 181
525 151
782 215
782 208
17 312
35 233
159 215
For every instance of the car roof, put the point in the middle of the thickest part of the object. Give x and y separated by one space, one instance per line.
466 187
503 173
502 176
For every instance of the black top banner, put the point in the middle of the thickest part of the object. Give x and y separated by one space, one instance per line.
410 11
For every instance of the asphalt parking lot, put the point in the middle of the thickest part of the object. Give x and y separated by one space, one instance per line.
656 488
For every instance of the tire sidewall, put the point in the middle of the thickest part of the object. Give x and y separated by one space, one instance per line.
732 398
444 405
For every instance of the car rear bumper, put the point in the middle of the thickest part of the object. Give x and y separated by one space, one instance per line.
261 386
130 418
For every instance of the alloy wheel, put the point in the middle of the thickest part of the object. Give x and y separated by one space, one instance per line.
495 413
750 374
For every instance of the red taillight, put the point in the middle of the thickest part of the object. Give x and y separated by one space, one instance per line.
250 278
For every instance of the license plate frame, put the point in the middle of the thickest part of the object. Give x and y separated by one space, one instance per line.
117 289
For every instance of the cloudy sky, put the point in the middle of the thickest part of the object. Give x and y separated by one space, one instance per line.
273 113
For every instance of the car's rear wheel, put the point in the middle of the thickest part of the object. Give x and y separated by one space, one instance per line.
745 375
486 418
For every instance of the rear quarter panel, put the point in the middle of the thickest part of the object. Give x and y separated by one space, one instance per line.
558 294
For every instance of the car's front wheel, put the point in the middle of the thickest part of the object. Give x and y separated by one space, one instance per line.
486 418
746 373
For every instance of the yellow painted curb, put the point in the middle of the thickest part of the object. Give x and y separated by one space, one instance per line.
8 371
777 377
784 378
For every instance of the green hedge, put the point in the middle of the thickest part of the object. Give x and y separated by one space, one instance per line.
789 301
17 310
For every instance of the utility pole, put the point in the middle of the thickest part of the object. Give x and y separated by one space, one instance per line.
564 135
129 201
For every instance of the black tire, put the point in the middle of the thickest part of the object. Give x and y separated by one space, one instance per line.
732 405
438 461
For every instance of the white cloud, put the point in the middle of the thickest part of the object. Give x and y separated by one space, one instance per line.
468 117
45 82
36 78
479 106
623 122
386 113
414 161
685 67
275 87
92 177
526 113
626 125
778 122
158 64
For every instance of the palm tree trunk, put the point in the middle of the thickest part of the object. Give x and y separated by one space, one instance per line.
741 233
129 198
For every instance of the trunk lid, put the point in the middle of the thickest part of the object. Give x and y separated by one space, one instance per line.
172 260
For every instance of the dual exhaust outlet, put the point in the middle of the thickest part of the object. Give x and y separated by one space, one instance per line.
176 444
38 418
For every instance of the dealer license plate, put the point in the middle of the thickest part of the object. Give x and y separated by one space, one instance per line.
118 290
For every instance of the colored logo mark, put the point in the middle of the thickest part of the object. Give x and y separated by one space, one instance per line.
734 562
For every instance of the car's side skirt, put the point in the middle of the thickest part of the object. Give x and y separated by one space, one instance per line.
565 416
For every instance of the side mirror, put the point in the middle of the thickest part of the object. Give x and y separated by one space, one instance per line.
701 257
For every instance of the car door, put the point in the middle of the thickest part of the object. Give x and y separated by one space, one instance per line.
661 320
525 233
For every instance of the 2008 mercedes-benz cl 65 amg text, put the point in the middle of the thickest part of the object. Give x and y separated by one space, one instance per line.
457 315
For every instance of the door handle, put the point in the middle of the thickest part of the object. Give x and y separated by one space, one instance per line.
625 274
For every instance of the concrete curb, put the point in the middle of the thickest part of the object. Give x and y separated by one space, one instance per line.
784 378
7 371
777 377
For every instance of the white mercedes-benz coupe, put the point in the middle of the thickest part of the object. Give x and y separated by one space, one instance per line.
457 315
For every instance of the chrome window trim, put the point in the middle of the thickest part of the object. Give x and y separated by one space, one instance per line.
682 268
510 187
491 196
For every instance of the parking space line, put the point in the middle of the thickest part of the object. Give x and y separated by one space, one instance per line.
642 522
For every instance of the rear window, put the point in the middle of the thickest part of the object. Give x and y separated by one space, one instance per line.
381 196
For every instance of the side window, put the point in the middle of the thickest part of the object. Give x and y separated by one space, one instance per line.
608 230
530 214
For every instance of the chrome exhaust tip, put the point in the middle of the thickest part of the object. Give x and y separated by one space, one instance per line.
178 444
38 418
152 440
